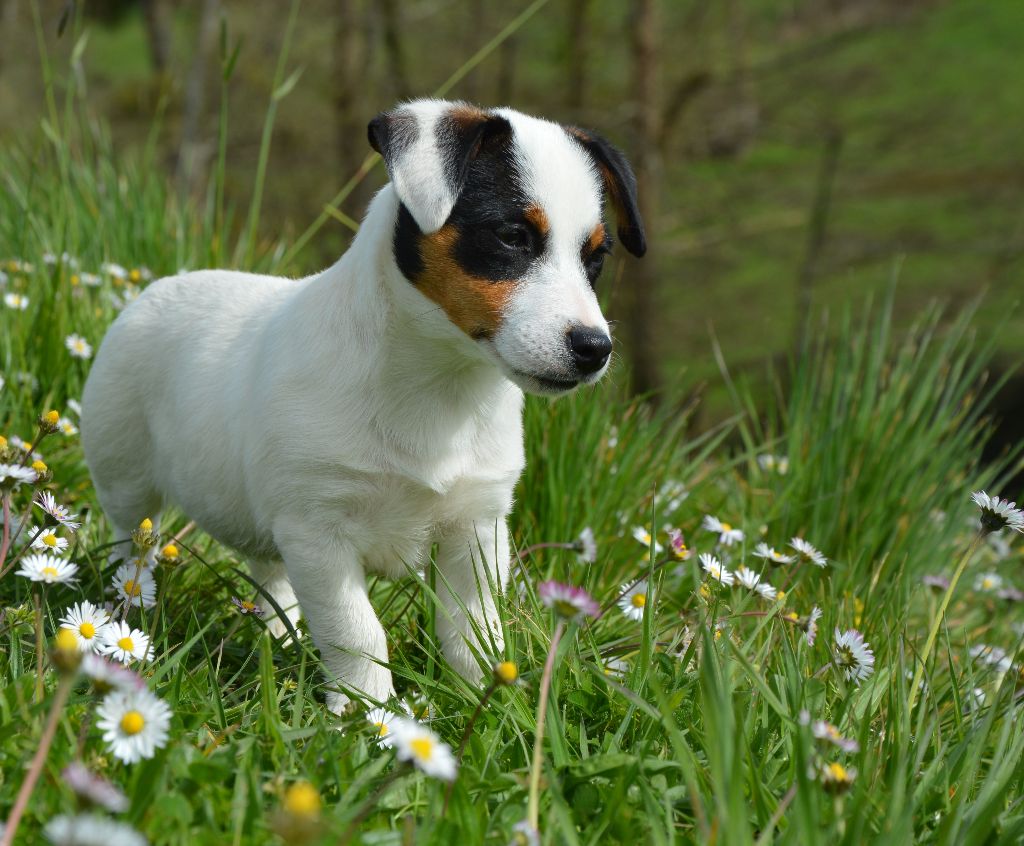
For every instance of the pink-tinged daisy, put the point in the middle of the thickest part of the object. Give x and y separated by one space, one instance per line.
56 513
87 622
713 567
807 552
108 675
568 602
633 600
727 535
745 577
678 545
852 655
998 513
48 569
772 555
935 582
124 644
244 606
134 724
826 731
94 789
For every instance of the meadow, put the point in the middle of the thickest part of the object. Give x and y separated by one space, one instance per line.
723 693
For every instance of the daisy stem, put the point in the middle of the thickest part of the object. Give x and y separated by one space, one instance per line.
937 622
6 539
21 551
533 547
465 738
39 644
135 587
533 808
36 767
27 458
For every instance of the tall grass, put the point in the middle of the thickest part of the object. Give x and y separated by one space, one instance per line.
684 727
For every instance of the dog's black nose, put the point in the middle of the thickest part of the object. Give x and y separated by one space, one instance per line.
590 348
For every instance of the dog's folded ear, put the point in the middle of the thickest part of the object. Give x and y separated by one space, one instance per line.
620 183
427 146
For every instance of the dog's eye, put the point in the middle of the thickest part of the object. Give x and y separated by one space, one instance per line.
513 235
594 263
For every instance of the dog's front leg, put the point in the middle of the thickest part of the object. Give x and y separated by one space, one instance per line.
470 559
327 576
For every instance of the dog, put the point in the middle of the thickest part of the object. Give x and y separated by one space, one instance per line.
346 422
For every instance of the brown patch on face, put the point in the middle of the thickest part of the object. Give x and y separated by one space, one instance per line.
473 304
537 218
596 239
466 116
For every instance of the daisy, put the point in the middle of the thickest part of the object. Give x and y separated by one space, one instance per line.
66 426
114 270
643 536
380 720
586 546
78 346
94 789
713 567
829 733
90 830
633 600
75 406
727 535
853 656
935 582
123 643
770 554
87 623
244 606
835 778
993 656
47 540
806 552
12 475
47 568
16 301
524 834
415 742
811 632
106 675
998 513
988 582
615 667
678 544
135 585
571 603
91 280
778 463
673 494
134 723
747 578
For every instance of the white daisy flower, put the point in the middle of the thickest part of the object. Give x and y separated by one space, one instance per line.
713 567
993 656
381 719
114 270
615 667
835 778
75 406
811 632
135 585
415 742
998 513
988 582
18 302
644 537
134 724
826 731
47 540
633 600
853 655
672 494
78 346
747 578
524 834
2 382
567 601
87 622
94 789
90 830
12 475
586 546
806 552
67 426
91 280
772 555
776 463
108 675
57 513
123 643
3 279
727 535
48 569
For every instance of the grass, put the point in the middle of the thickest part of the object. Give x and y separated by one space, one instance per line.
684 727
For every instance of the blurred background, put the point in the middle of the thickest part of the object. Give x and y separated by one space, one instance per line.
793 155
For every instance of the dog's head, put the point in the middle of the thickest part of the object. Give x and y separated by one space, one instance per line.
500 224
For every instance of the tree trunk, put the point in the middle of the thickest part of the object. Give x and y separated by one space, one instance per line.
351 60
195 150
157 34
394 49
576 56
639 287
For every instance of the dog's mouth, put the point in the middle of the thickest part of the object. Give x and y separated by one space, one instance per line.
535 383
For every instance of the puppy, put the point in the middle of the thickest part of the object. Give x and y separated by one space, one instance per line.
343 423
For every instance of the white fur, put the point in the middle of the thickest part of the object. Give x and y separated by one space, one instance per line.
341 423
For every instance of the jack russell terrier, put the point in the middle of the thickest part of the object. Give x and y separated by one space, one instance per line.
348 421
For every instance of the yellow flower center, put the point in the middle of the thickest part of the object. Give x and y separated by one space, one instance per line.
50 572
507 672
382 729
135 275
66 640
38 466
51 417
132 722
50 539
792 615
3 442
132 588
248 606
302 800
837 771
726 527
127 644
169 551
87 630
74 279
987 583
639 600
422 747
146 525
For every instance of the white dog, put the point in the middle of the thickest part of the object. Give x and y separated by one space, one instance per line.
345 422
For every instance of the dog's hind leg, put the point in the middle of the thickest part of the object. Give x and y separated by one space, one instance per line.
272 577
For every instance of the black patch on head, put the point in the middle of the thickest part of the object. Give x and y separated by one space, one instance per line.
405 244
391 133
620 183
462 135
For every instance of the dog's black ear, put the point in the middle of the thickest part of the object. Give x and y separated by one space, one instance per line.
427 146
620 183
